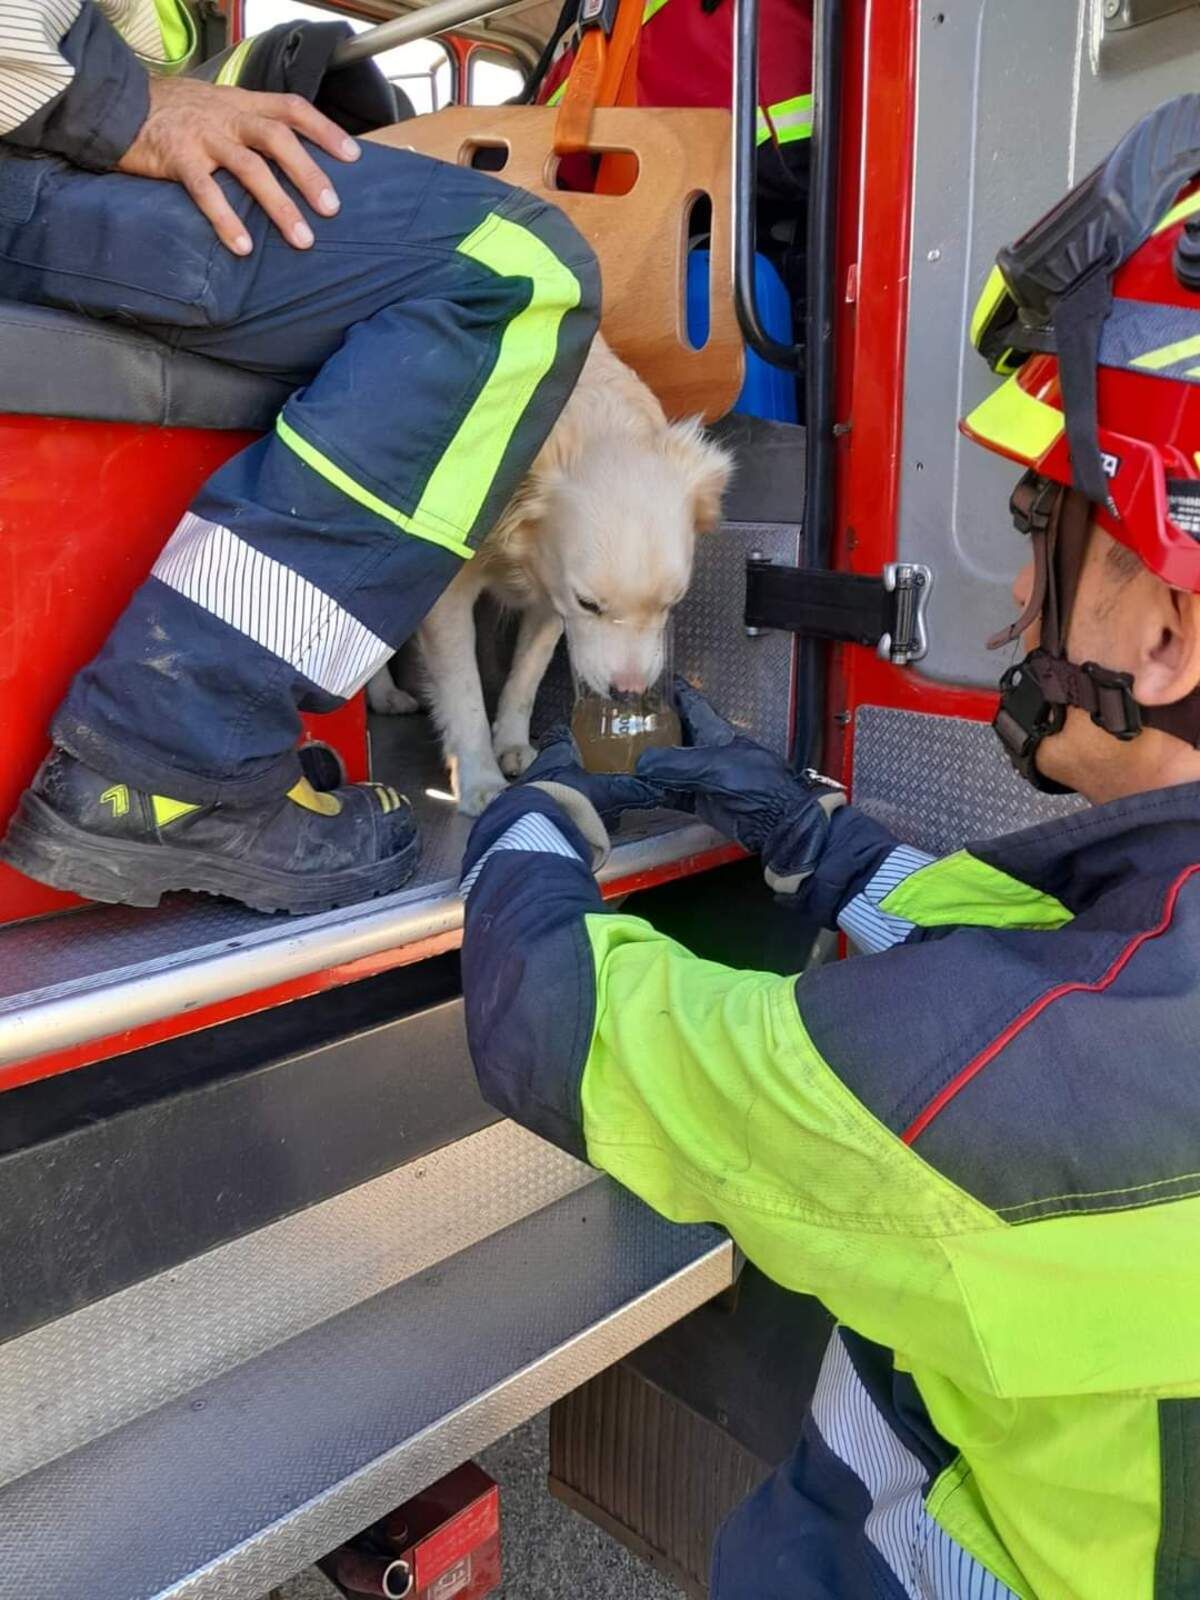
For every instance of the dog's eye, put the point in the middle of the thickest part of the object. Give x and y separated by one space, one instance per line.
592 607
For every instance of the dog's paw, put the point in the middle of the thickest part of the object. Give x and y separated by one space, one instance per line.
391 700
477 783
477 797
516 759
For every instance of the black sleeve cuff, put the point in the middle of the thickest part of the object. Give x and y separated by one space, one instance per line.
855 849
99 115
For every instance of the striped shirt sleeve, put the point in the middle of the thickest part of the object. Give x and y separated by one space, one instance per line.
33 70
533 832
863 919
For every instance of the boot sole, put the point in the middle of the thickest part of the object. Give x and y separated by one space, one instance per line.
44 846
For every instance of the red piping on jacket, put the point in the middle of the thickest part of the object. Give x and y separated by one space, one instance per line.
959 1082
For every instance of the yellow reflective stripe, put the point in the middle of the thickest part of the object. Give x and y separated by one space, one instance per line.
1168 355
1185 208
321 801
962 890
389 799
994 291
231 67
117 798
1013 420
558 93
790 119
355 491
178 33
462 479
167 810
458 486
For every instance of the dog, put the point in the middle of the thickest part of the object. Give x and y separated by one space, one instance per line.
597 541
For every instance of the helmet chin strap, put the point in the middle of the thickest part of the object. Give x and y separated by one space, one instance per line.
1035 694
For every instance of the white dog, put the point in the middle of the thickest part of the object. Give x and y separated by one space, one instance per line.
598 540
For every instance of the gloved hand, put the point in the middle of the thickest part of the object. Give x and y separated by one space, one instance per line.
610 794
744 791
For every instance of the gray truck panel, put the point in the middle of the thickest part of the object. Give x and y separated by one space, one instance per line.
1017 100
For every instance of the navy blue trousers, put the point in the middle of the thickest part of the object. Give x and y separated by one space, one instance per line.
434 333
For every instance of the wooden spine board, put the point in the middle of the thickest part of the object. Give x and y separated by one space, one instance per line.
640 238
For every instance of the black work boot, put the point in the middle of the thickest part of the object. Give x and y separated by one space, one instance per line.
307 851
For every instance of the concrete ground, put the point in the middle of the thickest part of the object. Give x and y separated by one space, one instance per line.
550 1553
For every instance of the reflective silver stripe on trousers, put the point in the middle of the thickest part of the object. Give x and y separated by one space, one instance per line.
271 604
928 1563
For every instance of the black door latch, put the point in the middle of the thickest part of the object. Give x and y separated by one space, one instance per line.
887 613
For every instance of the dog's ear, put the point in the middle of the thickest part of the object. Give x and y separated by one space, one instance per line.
707 467
517 530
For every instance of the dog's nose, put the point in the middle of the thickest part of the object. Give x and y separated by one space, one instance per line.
628 683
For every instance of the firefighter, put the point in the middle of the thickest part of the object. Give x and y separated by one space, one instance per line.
979 1144
433 321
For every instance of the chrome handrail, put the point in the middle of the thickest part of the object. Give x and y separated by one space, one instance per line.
418 23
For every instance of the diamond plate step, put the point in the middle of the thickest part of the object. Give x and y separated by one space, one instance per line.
227 1486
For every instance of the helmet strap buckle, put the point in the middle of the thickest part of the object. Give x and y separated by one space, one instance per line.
1113 707
1025 716
1032 504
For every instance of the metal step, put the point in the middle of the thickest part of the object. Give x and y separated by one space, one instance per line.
122 1170
115 968
211 1431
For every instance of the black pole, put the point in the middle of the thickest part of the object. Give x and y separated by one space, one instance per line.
822 242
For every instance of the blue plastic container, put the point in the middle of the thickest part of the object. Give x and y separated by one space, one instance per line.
768 391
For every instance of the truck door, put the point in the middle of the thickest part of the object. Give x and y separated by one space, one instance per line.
1012 105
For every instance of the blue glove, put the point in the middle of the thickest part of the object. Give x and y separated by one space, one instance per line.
744 791
609 793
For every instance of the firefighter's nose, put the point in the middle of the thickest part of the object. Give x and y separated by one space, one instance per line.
1023 586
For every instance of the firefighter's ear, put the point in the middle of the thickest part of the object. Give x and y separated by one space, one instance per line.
1168 650
707 468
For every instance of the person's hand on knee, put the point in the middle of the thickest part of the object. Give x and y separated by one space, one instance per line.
195 129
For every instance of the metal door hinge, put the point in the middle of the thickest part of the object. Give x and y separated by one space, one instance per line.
886 613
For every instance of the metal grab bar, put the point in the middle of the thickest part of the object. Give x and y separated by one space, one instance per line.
744 228
820 299
419 23
821 268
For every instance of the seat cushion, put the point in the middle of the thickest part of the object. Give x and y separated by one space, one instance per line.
56 364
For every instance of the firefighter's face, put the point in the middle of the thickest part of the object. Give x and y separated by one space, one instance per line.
1127 620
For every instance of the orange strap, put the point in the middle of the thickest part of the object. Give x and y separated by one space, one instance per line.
604 73
618 87
573 125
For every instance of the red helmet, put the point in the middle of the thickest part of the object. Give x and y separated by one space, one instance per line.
1147 405
1094 319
